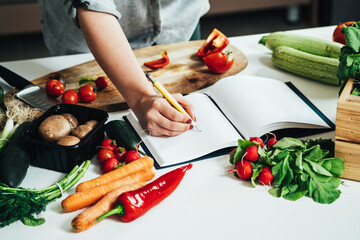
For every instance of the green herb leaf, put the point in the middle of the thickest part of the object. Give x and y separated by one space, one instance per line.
32 221
288 143
325 144
352 36
282 172
318 168
85 80
22 204
298 162
240 150
275 191
297 190
304 176
315 175
313 154
256 170
356 91
337 166
349 61
324 192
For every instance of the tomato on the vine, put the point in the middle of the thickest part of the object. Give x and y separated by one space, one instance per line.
338 36
70 96
54 88
87 93
219 62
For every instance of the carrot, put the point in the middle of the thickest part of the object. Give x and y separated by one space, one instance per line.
87 218
121 172
90 196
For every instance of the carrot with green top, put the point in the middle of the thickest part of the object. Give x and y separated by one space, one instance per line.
90 196
119 173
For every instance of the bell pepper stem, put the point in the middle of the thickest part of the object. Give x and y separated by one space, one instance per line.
118 209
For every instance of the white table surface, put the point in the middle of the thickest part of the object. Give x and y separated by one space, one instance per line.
209 203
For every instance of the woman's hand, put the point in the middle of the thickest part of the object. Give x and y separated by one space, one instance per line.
156 115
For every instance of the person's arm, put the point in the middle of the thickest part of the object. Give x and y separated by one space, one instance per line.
112 51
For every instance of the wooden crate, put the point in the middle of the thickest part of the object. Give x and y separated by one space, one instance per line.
347 132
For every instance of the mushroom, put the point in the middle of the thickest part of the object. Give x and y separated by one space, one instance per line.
81 131
54 127
68 140
92 123
72 120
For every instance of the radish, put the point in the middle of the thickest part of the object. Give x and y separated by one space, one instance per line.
109 165
251 153
119 153
265 176
109 143
257 140
271 141
132 155
101 83
243 169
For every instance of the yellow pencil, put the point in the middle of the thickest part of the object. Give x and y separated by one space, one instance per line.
169 97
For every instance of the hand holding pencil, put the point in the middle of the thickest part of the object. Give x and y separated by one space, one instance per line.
170 98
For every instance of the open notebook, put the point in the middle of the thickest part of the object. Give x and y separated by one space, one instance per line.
236 107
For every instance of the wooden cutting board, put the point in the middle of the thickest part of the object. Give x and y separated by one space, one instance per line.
185 73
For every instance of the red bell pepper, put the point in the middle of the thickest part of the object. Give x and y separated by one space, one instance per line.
133 204
159 63
214 43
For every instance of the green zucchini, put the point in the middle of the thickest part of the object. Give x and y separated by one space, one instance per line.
15 158
303 43
123 134
322 69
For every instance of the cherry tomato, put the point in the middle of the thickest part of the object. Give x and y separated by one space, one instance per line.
70 96
338 36
54 88
109 143
87 94
109 165
101 83
219 62
104 154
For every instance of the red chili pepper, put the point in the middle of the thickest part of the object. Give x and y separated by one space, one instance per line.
133 204
159 63
214 43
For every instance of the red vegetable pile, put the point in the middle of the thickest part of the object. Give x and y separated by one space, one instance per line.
249 153
85 94
111 156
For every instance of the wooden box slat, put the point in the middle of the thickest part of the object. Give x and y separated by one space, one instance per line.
350 152
347 132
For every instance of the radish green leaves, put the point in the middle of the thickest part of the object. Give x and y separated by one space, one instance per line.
300 168
306 169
